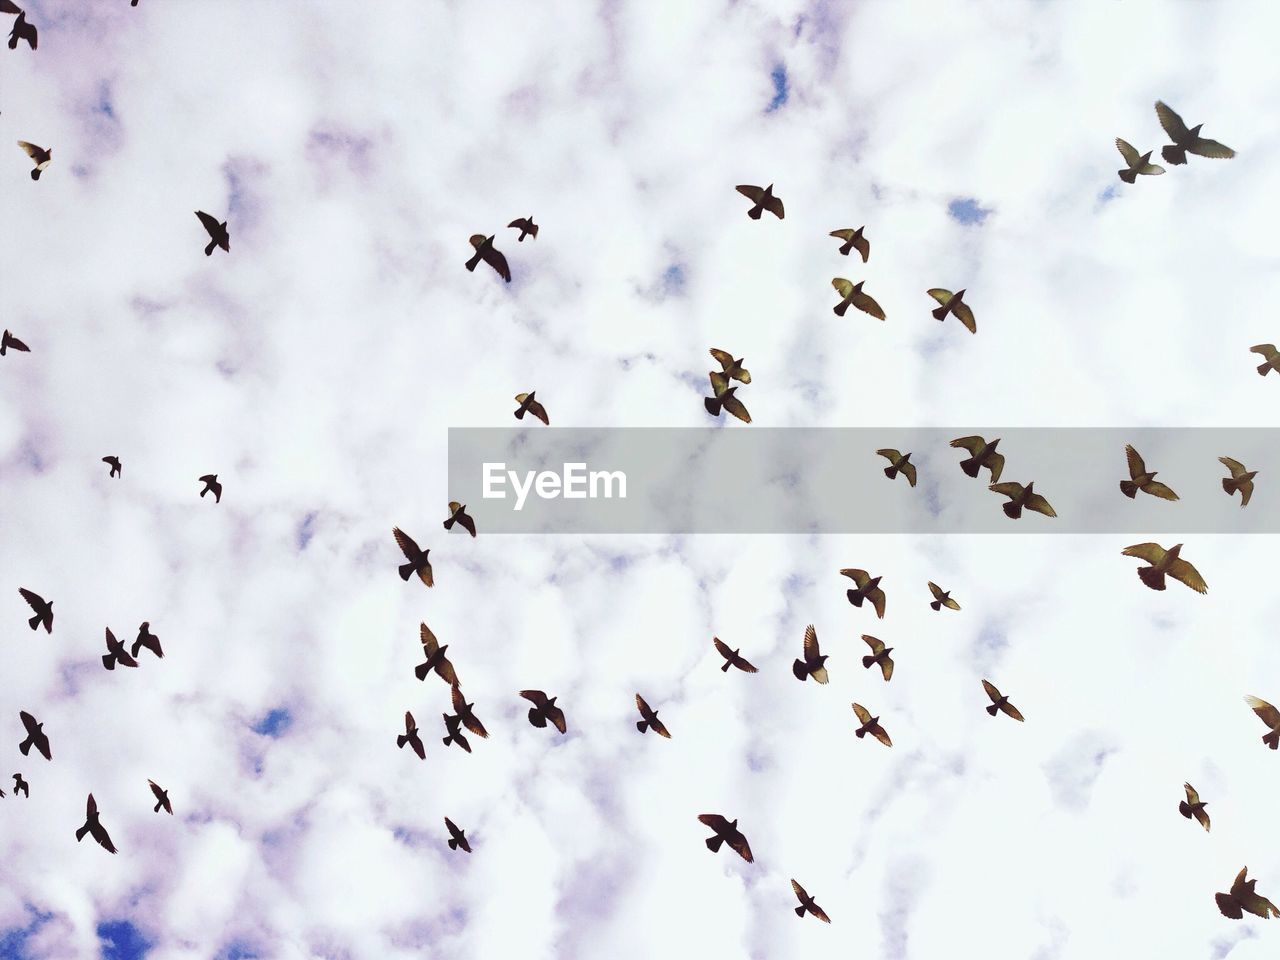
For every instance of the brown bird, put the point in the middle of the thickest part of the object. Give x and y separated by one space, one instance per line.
36 737
23 31
1021 497
999 702
870 725
411 737
9 342
436 660
851 295
953 303
1267 714
1267 350
162 799
457 838
732 658
941 598
453 725
807 905
526 226
813 663
763 200
1187 141
1140 478
417 557
1165 562
650 719
1137 163
544 710
726 831
868 588
40 156
458 514
211 485
981 454
1241 479
879 654
725 399
1243 897
730 369
116 653
1194 807
218 233
146 639
466 714
43 610
898 463
114 463
486 251
93 826
530 406
853 240
20 786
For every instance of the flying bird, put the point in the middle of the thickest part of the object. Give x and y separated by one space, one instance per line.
20 786
218 234
36 737
730 369
436 660
116 653
486 251
870 725
93 825
146 639
530 406
114 463
879 654
526 226
1243 897
544 710
1194 807
162 799
9 342
466 714
732 658
1140 478
43 610
418 562
23 31
953 303
453 726
40 156
1165 562
763 200
458 514
1137 163
898 463
813 663
981 454
650 719
1266 713
853 240
725 399
851 295
726 831
1187 141
211 485
807 905
941 598
1021 497
1267 350
868 588
457 838
410 736
1241 479
999 702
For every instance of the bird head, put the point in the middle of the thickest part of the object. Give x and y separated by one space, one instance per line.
443 648
872 583
734 825
1250 475
768 191
1195 131
551 701
887 651
1174 550
993 443
1145 157
958 295
1030 487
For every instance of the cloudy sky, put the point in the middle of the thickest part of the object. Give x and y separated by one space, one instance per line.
316 368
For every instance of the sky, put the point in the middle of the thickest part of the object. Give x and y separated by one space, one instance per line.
317 366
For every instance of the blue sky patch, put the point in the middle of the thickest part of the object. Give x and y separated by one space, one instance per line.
781 92
274 723
968 211
121 940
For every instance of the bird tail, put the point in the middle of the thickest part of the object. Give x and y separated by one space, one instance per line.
799 911
992 709
712 404
402 740
859 733
940 313
109 661
727 665
713 843
755 212
81 832
1264 368
447 740
1128 176
156 808
1012 510
35 174
448 524
421 671
1185 809
846 247
1174 154
1129 488
208 251
25 746
855 597
890 472
970 466
471 264
453 844
405 570
840 308
1272 739
868 661
1230 485
537 719
34 621
1152 577
936 604
642 725
798 669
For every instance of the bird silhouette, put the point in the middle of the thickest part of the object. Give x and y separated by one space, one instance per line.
851 295
1165 562
725 399
1241 479
981 454
732 658
486 251
807 905
36 737
436 660
941 598
20 786
813 664
1266 350
43 610
9 342
726 832
953 303
762 200
1021 497
114 463
1136 163
531 406
211 485
457 838
853 240
162 798
526 226
418 562
879 654
1268 715
544 710
22 30
458 514
410 736
466 714
1000 703
146 639
730 369
898 463
116 653
870 724
649 719
1140 478
453 726
219 236
40 156
93 825
868 588
1243 897
1187 141
1194 807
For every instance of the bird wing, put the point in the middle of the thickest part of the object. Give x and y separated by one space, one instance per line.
1012 711
1010 489
155 788
774 206
536 697
909 471
1128 151
408 546
454 506
459 701
745 665
31 149
32 599
965 316
556 716
995 462
881 734
1040 505
1157 489
645 710
811 651
973 445
8 6
992 692
1211 149
14 343
893 456
429 642
467 524
1267 350
723 648
1235 466
886 669
1150 169
1137 467
740 846
90 807
1267 713
444 669
537 409
1182 570
877 598
472 723
211 224
868 305
659 728
1153 553
874 643
863 246
847 233
861 712
1172 123
843 286
752 193
818 912
942 296
860 577
477 240
495 259
735 407
713 820
408 721
1192 796
520 223
800 891
1202 818
451 827
937 591
723 358
821 675
100 834
1259 905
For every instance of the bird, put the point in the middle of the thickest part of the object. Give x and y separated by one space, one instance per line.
36 737
162 799
650 719
941 598
1266 713
453 726
730 369
9 342
1137 164
999 702
732 658
813 664
23 31
1243 897
114 463
466 714
851 295
870 725
1241 479
436 660
93 825
1142 479
725 399
410 736
1267 350
526 226
898 463
868 588
879 654
544 710
1165 562
458 514
417 557
218 233
853 240
116 653
1020 497
40 156
457 838
20 786
953 303
1187 141
726 831
486 251
981 454
146 639
807 905
531 406
43 609
211 485
1194 807
763 200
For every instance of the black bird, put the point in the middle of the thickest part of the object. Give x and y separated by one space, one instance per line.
1194 807
43 609
410 736
1243 897
813 664
36 736
941 598
20 786
730 369
211 485
417 557
436 660
457 838
218 234
732 658
650 719
23 31
1021 497
853 240
162 799
146 639
899 462
116 653
981 454
1187 141
851 295
870 724
8 341
544 710
526 226
868 589
879 655
114 463
92 825
762 200
466 714
953 303
807 904
1137 163
1000 702
726 831
486 251
40 156
724 399
531 406
458 514
452 724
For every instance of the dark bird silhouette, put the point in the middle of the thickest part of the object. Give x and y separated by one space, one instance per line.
868 588
732 658
410 736
899 463
813 664
1266 350
1194 807
36 737
941 598
879 654
116 653
544 710
726 831
417 557
1241 479
531 406
114 463
146 639
870 725
725 399
1165 562
43 610
40 156
93 825
1020 498
1243 897
762 200
730 369
807 905
953 303
458 514
1140 478
211 485
20 786
1136 163
162 799
851 295
650 719
466 714
486 251
1268 715
999 702
453 725
457 838
853 240
23 31
526 226
436 660
218 233
1187 141
9 342
981 454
